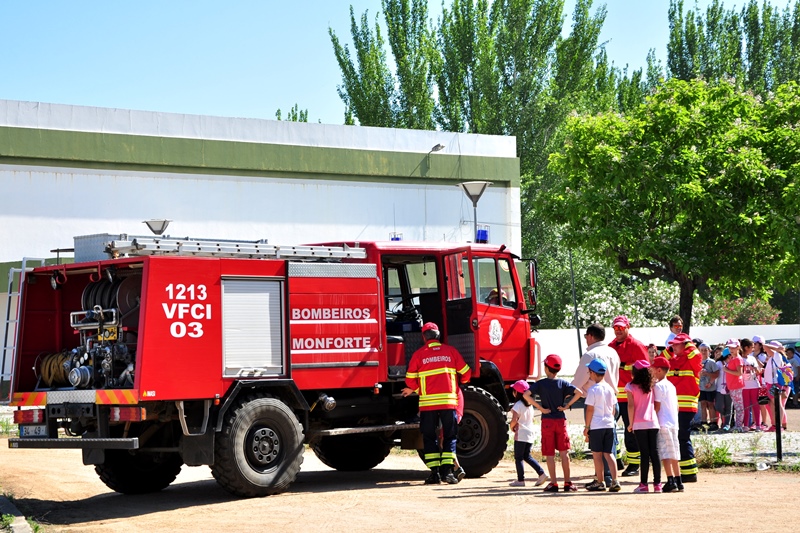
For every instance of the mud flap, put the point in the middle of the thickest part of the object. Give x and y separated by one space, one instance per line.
198 450
94 456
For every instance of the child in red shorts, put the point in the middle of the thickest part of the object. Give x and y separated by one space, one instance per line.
553 391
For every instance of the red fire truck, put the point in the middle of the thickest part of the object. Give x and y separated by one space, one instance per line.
166 352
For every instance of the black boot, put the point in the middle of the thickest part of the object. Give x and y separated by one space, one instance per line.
632 470
447 475
434 478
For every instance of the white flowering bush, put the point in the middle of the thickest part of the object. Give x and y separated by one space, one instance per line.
648 304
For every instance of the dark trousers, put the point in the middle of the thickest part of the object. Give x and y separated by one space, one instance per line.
687 463
429 426
522 455
648 447
631 446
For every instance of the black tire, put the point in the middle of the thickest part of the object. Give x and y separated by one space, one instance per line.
352 453
138 473
482 433
260 448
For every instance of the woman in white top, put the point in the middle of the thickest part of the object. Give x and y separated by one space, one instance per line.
775 359
761 357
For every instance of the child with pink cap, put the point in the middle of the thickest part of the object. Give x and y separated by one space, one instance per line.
522 426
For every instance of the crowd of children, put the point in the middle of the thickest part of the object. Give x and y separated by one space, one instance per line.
653 414
740 382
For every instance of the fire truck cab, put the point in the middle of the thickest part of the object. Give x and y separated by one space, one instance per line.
170 352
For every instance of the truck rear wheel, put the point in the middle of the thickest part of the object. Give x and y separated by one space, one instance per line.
260 448
482 433
138 473
352 453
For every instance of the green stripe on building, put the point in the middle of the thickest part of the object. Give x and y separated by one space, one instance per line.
74 149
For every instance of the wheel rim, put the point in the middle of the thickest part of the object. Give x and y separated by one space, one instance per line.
472 434
263 445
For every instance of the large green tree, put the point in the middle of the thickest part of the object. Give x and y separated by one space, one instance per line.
687 187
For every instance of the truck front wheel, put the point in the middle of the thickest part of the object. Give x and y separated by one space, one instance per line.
352 453
260 448
482 433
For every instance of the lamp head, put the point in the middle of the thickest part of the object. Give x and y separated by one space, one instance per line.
157 225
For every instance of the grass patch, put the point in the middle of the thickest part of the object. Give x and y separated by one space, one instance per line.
709 454
7 426
5 522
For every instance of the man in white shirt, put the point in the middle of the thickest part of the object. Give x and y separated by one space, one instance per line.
597 349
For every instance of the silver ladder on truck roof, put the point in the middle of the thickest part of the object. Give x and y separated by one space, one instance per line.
137 245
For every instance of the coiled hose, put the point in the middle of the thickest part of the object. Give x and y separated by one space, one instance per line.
52 369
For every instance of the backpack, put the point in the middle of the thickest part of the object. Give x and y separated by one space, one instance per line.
784 374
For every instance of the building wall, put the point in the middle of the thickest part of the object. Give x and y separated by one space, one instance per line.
68 170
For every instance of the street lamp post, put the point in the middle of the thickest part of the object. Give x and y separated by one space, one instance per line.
474 190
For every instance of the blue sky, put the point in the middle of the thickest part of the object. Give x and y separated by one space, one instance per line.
241 58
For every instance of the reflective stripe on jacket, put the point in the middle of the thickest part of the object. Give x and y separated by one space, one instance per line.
685 375
433 373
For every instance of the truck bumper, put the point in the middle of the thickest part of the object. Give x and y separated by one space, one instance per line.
84 444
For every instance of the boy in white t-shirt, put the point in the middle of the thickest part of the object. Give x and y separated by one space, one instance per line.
666 403
601 403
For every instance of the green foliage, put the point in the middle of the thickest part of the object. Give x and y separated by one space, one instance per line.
744 311
295 114
758 46
682 188
647 304
368 89
709 454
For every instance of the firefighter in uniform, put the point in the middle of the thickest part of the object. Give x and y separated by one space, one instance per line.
434 373
685 364
629 350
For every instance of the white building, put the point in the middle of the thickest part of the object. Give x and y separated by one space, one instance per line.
69 170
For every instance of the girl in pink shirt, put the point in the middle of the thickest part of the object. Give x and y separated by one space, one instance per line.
644 424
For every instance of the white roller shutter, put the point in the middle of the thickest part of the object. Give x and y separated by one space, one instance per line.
252 327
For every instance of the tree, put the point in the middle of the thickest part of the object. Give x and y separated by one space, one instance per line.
295 114
368 87
679 189
757 46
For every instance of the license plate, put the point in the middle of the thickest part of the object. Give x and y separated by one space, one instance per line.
33 431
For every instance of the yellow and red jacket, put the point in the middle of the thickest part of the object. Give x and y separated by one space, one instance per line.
433 373
684 373
629 350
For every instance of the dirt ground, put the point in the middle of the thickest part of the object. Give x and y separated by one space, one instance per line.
54 488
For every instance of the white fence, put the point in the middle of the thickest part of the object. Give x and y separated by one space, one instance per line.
564 342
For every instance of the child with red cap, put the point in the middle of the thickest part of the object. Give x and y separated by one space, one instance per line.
553 391
666 402
522 425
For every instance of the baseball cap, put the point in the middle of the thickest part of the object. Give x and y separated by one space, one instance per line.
732 343
622 321
553 361
641 363
775 345
660 362
597 366
758 338
726 352
683 338
430 326
520 386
